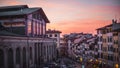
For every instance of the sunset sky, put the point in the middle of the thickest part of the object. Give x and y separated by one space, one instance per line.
74 15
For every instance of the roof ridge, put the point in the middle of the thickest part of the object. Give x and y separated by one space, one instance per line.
13 6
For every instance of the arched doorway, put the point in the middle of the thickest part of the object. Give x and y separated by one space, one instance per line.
18 57
30 55
38 54
35 54
1 59
24 58
10 58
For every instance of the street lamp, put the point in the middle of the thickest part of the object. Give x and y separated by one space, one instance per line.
116 66
81 59
91 60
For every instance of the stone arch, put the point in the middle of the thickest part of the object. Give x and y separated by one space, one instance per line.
24 58
38 53
10 58
18 55
35 53
1 58
31 55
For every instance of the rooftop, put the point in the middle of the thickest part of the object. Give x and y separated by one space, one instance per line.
6 11
53 31
10 8
19 12
115 23
104 27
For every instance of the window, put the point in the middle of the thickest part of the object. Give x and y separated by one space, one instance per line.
110 39
55 35
101 55
115 41
110 29
34 27
117 50
104 40
37 28
111 58
29 28
115 34
113 49
50 35
105 31
101 46
100 38
40 30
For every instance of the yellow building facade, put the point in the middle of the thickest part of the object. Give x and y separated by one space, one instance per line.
109 46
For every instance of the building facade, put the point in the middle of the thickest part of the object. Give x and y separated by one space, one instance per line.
24 52
21 19
79 44
63 47
108 45
116 30
23 41
55 34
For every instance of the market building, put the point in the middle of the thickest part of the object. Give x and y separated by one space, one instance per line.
23 40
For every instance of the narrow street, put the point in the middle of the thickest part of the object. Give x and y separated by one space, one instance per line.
78 65
73 64
70 63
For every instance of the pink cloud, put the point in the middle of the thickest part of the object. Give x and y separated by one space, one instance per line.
9 2
72 16
89 26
